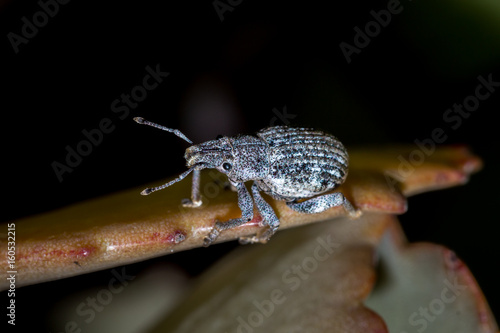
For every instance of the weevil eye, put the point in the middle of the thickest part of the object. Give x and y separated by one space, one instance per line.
219 137
226 166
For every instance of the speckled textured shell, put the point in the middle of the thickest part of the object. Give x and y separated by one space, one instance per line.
302 162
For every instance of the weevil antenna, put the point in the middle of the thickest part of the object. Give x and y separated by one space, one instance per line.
161 187
143 121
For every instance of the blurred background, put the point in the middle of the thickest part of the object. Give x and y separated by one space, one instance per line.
236 67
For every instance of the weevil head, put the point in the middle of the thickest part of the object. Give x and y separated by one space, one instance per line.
214 154
242 158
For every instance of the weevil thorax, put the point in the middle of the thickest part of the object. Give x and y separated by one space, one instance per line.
242 158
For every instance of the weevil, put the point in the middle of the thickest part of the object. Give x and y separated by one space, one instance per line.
297 165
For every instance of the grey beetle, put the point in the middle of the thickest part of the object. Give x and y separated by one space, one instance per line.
286 163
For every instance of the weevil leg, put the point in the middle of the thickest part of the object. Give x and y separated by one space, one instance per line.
195 200
269 218
246 205
324 202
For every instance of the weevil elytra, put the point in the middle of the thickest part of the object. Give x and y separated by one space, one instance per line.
286 163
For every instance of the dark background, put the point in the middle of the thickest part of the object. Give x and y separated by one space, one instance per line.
226 77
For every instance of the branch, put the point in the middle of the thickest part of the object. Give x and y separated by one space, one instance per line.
126 227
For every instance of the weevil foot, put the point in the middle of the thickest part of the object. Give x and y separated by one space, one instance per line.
190 203
263 238
355 214
352 213
248 240
211 237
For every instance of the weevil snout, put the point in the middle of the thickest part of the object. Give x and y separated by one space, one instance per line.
210 154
